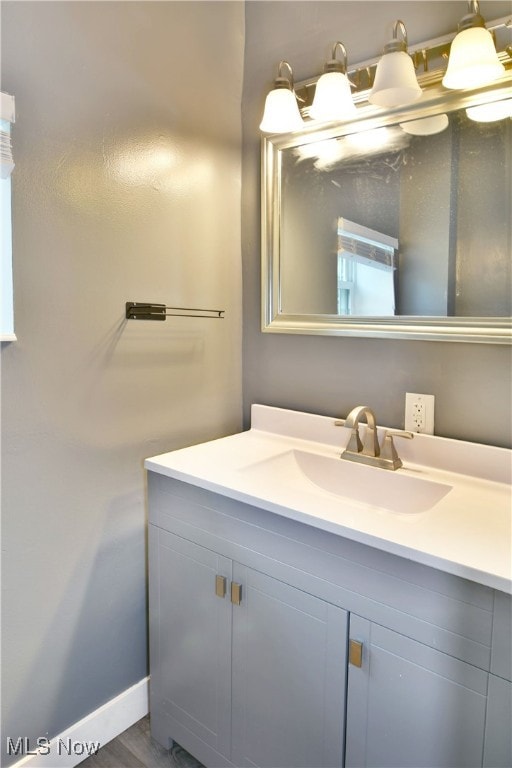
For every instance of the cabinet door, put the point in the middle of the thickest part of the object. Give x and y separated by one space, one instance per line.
190 646
289 676
410 706
498 724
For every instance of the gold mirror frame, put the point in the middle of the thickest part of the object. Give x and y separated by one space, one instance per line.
435 99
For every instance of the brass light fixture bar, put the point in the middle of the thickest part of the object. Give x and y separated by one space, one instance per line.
140 310
429 59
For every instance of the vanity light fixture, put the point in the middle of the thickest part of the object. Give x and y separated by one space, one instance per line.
333 97
473 58
395 79
281 109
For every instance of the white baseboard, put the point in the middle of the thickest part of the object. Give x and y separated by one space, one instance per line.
78 741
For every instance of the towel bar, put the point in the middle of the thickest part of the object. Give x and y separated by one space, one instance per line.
140 310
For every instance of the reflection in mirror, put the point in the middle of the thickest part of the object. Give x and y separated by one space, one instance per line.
366 270
411 219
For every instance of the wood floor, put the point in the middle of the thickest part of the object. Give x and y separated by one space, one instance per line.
136 749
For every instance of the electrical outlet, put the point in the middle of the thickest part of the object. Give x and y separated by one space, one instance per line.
419 413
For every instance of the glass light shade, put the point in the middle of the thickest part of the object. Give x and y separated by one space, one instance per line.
473 60
395 81
281 113
333 98
489 113
426 126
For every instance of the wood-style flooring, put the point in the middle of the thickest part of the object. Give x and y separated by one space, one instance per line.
136 749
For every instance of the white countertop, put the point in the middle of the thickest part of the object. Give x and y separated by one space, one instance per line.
468 532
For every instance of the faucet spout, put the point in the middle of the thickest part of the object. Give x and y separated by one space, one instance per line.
370 446
369 451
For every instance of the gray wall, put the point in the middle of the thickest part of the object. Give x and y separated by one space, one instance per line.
126 187
472 383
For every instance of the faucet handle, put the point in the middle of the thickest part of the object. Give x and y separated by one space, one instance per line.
399 433
388 450
354 443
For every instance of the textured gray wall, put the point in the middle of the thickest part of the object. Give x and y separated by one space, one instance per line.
328 375
126 187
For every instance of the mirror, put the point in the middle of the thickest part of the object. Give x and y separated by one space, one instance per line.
395 224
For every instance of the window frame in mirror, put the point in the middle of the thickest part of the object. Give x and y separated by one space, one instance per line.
435 100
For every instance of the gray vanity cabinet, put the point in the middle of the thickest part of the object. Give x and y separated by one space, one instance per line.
410 705
245 669
274 644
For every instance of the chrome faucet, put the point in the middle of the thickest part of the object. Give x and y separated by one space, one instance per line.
369 451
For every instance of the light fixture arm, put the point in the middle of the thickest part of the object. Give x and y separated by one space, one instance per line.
473 18
396 44
281 81
334 64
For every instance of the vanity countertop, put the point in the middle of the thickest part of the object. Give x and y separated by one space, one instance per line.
460 492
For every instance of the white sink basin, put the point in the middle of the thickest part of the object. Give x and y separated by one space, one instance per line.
448 507
371 486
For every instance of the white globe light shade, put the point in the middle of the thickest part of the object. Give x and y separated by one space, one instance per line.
395 81
281 113
426 126
333 98
473 60
489 113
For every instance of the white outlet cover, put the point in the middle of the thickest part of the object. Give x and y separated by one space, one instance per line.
426 402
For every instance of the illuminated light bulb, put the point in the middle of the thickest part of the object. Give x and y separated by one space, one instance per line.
426 126
473 59
333 97
281 114
490 113
395 79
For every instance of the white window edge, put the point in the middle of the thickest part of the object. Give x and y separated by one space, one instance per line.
7 113
7 107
